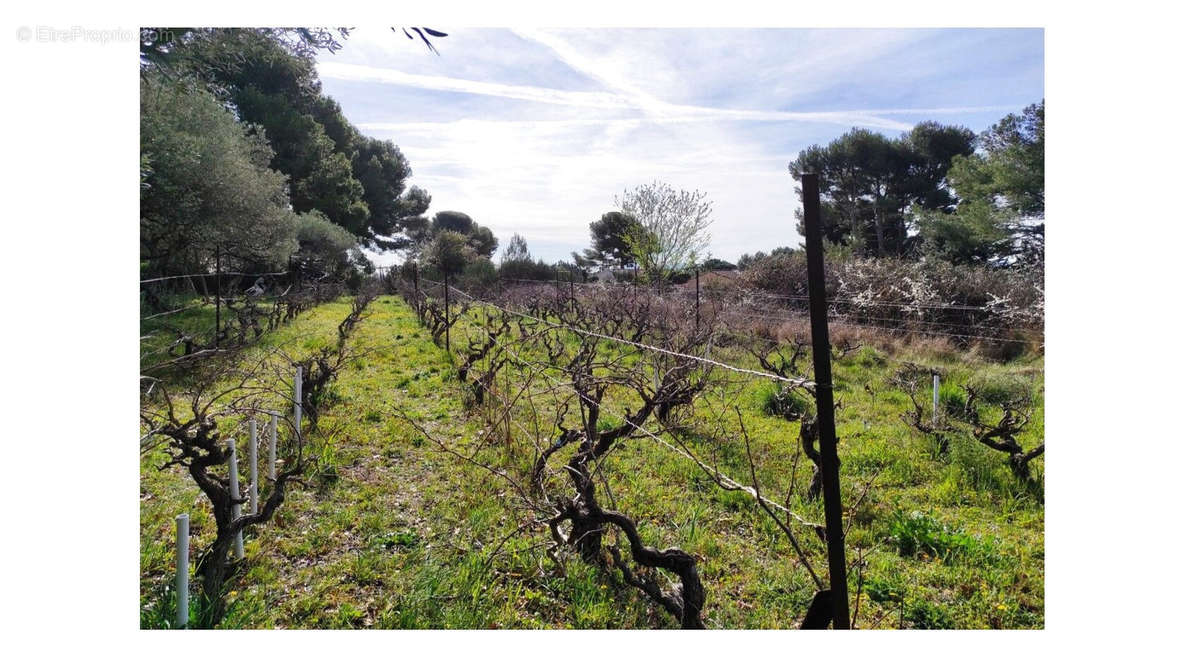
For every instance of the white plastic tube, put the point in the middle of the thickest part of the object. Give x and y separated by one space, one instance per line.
937 387
253 466
239 550
271 445
181 571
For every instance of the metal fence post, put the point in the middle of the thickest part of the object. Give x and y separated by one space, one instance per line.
297 391
822 367
446 304
271 445
218 335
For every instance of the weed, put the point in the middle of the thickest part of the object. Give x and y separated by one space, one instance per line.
926 615
997 388
774 400
918 532
869 357
404 539
884 589
953 399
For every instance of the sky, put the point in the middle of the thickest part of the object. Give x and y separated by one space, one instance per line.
537 131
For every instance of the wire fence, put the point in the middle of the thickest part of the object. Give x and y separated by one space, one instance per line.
232 318
722 479
968 323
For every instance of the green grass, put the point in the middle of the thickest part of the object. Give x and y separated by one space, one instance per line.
391 532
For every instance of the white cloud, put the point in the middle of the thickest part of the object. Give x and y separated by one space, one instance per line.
575 117
630 102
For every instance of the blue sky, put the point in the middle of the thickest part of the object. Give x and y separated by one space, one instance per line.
535 131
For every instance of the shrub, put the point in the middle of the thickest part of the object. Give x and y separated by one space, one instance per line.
479 272
917 532
926 615
870 357
904 294
883 590
996 389
526 269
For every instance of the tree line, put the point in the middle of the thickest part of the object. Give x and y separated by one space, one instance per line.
937 193
244 156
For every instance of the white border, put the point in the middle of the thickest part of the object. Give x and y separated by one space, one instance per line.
1120 576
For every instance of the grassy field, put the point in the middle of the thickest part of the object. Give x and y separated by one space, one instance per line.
392 532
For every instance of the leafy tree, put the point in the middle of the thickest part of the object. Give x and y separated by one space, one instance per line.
869 183
346 138
455 222
158 45
394 213
746 260
330 187
278 89
382 169
969 235
610 247
517 251
161 47
206 183
1012 168
483 241
327 249
1002 191
448 252
517 263
269 77
479 274
717 264
674 227
480 238
527 269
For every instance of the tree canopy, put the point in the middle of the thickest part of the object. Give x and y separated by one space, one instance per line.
610 241
869 183
517 251
673 232
447 252
1002 192
327 249
479 238
268 77
207 184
